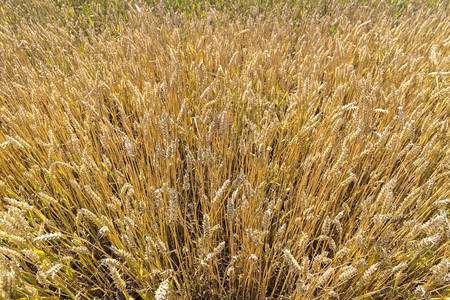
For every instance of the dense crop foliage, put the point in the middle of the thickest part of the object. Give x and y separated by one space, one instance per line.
229 149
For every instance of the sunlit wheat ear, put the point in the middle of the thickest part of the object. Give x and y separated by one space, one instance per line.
326 226
280 233
81 250
117 279
92 194
399 267
9 252
181 113
230 207
441 271
346 273
20 204
14 239
173 207
51 273
242 147
237 181
303 242
123 254
206 227
216 251
319 260
433 224
89 215
17 142
164 129
367 275
267 217
7 284
170 151
162 293
220 193
186 181
160 246
428 241
47 237
291 261
224 123
325 277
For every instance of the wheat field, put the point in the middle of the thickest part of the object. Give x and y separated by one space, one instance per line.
224 149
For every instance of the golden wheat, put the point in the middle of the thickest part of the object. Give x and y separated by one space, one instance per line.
238 150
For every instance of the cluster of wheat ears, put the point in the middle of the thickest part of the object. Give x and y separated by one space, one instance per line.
269 151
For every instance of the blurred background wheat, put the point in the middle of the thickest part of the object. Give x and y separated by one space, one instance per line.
229 150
